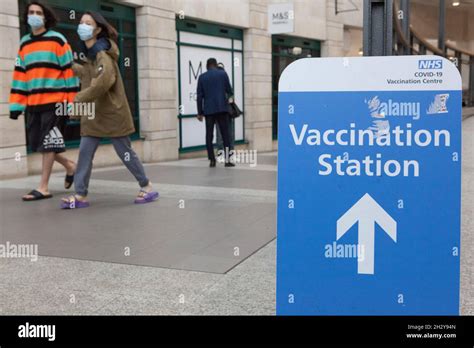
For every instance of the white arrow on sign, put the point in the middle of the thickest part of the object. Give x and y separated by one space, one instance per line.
367 212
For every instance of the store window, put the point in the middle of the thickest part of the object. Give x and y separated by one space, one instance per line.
285 50
198 41
122 18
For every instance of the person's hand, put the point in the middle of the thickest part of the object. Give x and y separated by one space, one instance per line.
15 114
200 117
231 100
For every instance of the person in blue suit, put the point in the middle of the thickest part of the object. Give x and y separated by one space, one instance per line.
213 105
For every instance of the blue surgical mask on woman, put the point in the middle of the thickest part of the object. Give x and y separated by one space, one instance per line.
35 21
85 31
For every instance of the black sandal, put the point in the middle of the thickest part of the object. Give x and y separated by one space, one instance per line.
68 180
36 196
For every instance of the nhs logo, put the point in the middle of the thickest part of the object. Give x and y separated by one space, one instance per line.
430 64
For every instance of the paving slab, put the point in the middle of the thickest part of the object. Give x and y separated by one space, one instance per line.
198 176
159 234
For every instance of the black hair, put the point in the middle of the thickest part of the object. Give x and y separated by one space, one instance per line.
108 31
211 63
50 19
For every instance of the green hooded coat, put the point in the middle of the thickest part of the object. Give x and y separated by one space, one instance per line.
101 83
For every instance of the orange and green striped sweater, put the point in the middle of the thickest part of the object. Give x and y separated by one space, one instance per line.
43 74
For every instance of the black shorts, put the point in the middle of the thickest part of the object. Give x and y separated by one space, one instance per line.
45 131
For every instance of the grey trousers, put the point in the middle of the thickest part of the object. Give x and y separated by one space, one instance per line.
123 149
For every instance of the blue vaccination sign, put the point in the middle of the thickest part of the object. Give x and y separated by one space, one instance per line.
369 186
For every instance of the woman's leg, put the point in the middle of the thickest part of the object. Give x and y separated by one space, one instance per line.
87 150
124 150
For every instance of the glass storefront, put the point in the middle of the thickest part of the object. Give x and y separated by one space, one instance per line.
198 41
285 50
69 13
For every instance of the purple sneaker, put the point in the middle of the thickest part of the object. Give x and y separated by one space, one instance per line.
72 202
146 197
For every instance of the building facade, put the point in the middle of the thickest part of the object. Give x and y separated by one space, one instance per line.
164 47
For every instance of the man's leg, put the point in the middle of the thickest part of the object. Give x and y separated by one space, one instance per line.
223 124
70 165
210 121
232 132
48 161
87 150
46 138
219 141
47 166
124 150
51 143
58 124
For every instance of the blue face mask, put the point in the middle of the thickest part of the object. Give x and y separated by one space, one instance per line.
35 22
85 31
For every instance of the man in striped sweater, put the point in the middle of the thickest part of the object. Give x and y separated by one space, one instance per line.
43 79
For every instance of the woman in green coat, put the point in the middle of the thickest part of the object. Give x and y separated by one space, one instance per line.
102 85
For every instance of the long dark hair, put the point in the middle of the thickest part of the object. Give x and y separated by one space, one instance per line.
108 31
50 19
